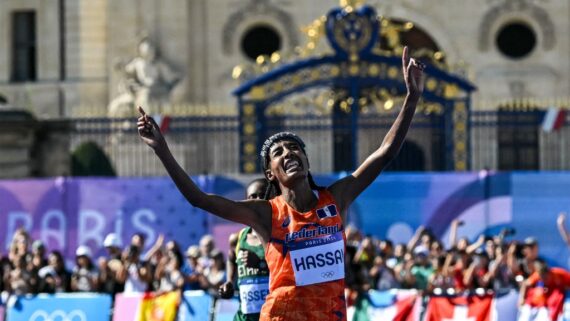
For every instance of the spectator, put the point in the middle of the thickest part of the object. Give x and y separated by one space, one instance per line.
459 265
153 258
490 248
135 273
441 280
418 235
113 245
500 274
55 278
525 265
169 271
386 248
38 256
138 240
546 281
382 276
207 245
19 246
477 275
216 273
193 272
353 236
109 267
355 278
422 269
403 271
400 251
366 253
108 276
436 249
20 279
5 268
84 277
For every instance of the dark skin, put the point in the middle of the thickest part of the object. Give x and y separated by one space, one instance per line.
255 190
292 180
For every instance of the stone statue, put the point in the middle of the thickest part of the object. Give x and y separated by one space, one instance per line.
147 81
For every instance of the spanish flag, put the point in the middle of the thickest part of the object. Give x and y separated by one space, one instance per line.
161 307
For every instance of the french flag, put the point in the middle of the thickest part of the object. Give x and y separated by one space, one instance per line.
553 119
327 211
163 122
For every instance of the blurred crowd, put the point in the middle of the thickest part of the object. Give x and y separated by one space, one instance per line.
490 262
424 263
28 269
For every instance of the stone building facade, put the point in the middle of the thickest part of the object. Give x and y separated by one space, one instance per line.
79 43
62 57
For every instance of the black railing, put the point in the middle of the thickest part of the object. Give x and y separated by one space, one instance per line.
502 140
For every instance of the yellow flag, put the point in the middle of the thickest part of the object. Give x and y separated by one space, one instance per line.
159 307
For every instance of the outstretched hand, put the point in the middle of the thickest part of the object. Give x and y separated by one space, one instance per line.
561 219
149 130
413 74
226 290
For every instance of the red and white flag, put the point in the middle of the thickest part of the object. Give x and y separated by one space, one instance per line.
541 307
460 308
553 119
392 305
163 122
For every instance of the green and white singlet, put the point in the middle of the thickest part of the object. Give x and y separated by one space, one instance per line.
253 283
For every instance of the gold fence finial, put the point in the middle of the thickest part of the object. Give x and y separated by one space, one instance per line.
351 3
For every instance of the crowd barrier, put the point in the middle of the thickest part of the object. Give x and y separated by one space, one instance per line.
60 307
404 305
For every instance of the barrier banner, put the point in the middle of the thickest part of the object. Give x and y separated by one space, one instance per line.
67 212
195 306
61 307
226 309
506 305
392 305
126 305
471 307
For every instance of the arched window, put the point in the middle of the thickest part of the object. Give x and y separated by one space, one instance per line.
260 40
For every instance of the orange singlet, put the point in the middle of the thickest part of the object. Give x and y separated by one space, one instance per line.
305 256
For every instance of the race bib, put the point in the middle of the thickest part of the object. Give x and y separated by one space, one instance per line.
252 293
318 260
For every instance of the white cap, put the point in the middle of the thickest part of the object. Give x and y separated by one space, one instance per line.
83 251
421 250
112 240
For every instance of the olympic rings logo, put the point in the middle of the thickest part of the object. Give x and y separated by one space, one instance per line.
327 275
58 315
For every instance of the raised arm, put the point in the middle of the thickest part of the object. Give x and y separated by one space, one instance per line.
561 223
415 238
453 232
254 213
348 188
477 244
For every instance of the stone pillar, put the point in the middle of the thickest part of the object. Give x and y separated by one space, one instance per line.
32 148
17 131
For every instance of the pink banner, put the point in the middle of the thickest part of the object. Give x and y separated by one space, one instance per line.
126 306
